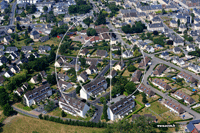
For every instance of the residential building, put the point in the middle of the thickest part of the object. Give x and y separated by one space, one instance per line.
194 68
119 66
173 23
186 77
93 88
147 91
155 27
101 53
38 94
34 35
136 76
145 62
112 74
91 69
161 84
190 48
174 107
64 85
82 77
160 69
127 54
193 126
11 49
181 95
176 50
73 106
121 108
44 49
26 49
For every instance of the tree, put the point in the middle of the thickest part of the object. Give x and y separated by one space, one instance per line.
105 107
16 37
50 105
26 35
23 14
63 114
78 89
155 33
29 29
4 97
6 17
130 87
51 79
19 27
178 22
163 11
7 110
102 100
169 42
91 32
144 99
131 68
83 61
31 58
45 8
101 19
139 125
87 21
39 78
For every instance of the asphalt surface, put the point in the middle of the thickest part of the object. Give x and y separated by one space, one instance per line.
12 15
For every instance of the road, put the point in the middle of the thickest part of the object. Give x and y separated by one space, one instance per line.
12 15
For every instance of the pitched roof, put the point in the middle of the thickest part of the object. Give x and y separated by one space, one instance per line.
122 107
161 83
95 86
187 76
38 91
76 104
136 76
161 68
175 106
184 96
146 90
144 62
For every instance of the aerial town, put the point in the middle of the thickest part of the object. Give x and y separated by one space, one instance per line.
100 66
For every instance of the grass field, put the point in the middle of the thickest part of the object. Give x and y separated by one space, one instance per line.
24 124
158 108
21 106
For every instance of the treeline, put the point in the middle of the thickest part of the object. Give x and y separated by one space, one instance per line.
81 7
58 30
39 64
74 123
137 28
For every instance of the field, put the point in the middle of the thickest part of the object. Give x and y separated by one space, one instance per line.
126 73
24 124
158 108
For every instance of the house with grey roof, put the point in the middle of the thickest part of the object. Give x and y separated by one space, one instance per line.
44 49
155 27
64 85
34 35
11 49
121 108
190 48
26 49
38 94
173 23
94 88
73 106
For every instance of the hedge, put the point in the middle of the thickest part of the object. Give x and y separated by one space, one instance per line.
142 106
181 120
74 123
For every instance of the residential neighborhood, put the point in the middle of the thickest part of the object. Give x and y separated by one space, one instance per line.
100 64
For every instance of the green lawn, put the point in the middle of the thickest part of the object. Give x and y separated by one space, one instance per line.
57 112
21 106
158 108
